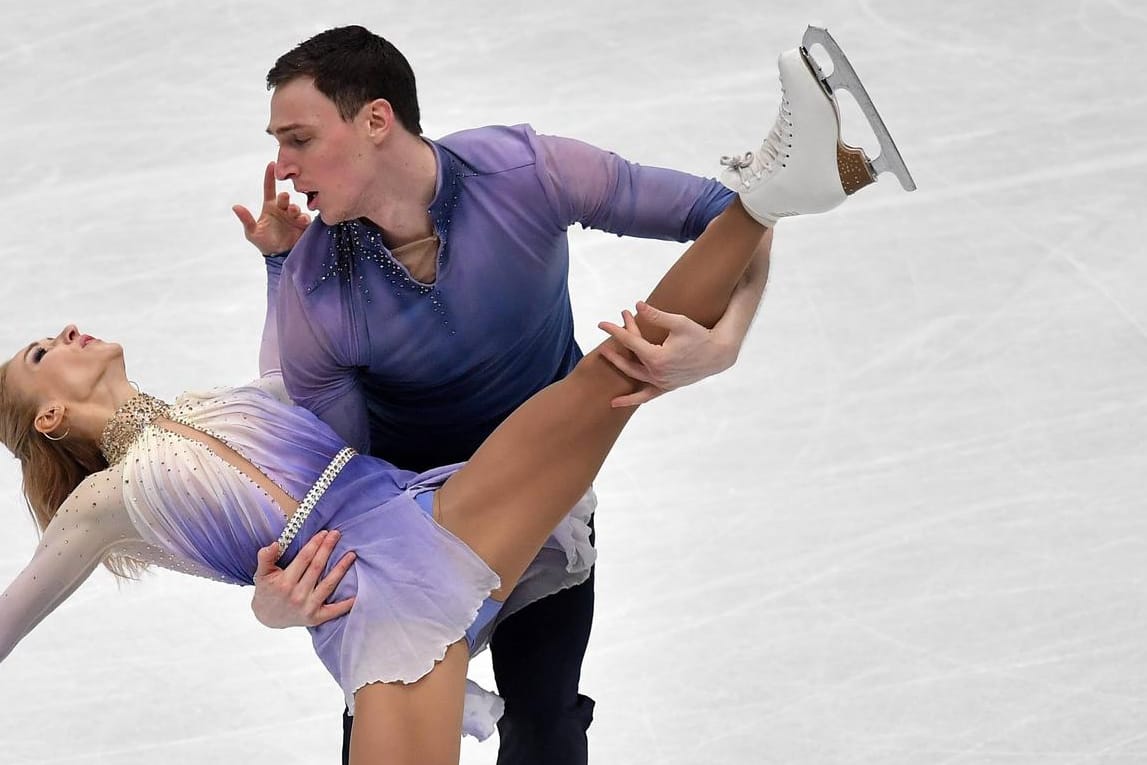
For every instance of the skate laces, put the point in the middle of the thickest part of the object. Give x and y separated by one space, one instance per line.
754 166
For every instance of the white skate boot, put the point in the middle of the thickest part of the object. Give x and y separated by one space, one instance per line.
803 167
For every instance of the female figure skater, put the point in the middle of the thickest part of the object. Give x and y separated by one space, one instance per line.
200 486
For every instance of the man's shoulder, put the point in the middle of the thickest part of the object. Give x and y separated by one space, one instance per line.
494 148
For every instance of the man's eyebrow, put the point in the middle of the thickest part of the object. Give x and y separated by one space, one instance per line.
283 129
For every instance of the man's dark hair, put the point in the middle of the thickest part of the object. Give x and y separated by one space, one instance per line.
352 66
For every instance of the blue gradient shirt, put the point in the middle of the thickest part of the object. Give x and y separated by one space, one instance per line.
419 374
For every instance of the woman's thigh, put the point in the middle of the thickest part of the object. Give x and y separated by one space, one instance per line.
417 723
526 477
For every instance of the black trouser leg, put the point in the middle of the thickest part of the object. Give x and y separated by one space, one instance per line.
537 656
347 722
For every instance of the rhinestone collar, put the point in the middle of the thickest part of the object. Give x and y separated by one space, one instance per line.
359 240
128 422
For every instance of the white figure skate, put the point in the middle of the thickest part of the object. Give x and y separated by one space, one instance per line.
804 167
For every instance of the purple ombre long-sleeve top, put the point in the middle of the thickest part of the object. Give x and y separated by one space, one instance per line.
420 374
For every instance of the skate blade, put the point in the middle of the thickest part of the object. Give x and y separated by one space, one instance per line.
844 77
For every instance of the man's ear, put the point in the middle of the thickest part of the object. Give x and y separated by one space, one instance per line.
380 119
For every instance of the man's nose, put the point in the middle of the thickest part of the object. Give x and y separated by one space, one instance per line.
284 171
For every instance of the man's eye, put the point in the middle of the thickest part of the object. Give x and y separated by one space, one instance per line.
38 354
300 141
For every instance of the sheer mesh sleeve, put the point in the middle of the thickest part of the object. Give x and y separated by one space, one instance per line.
269 347
270 370
90 525
598 189
321 368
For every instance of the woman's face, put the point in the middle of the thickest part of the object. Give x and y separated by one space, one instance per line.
67 368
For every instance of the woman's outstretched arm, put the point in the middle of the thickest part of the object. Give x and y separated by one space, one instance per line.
87 527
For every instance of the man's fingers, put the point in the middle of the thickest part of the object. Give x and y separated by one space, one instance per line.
245 217
269 182
630 322
318 564
296 568
331 581
333 611
643 396
267 557
626 365
633 342
283 201
634 331
663 319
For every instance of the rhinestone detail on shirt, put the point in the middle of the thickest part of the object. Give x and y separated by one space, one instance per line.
355 241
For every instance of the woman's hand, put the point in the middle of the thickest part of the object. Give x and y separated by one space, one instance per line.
280 222
294 596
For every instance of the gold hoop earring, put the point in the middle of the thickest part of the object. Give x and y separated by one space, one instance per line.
61 438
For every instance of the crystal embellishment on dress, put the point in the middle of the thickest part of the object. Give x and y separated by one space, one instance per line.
128 422
313 496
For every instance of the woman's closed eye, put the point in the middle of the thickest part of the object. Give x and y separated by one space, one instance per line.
38 353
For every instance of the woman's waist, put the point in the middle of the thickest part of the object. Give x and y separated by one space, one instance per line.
351 485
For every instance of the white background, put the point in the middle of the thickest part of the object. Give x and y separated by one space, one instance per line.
908 527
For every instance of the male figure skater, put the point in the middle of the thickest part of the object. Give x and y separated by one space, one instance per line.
430 298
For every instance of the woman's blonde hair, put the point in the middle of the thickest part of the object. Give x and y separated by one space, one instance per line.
52 469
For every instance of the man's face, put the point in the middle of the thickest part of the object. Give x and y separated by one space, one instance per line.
325 157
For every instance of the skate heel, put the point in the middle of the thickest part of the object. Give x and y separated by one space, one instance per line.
844 77
854 168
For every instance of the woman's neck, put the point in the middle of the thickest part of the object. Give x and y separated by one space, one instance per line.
87 419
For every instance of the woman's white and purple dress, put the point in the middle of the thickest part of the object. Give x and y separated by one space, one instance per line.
170 499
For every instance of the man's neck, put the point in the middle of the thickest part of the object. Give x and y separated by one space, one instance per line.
408 177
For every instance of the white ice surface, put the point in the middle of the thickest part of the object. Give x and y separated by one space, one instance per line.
907 528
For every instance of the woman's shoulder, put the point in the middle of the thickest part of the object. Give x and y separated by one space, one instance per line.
94 512
99 491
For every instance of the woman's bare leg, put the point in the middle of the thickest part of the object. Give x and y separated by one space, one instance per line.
528 474
415 724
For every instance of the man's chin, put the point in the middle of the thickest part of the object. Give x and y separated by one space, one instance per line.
330 218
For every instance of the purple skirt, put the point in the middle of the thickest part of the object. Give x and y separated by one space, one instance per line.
417 587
